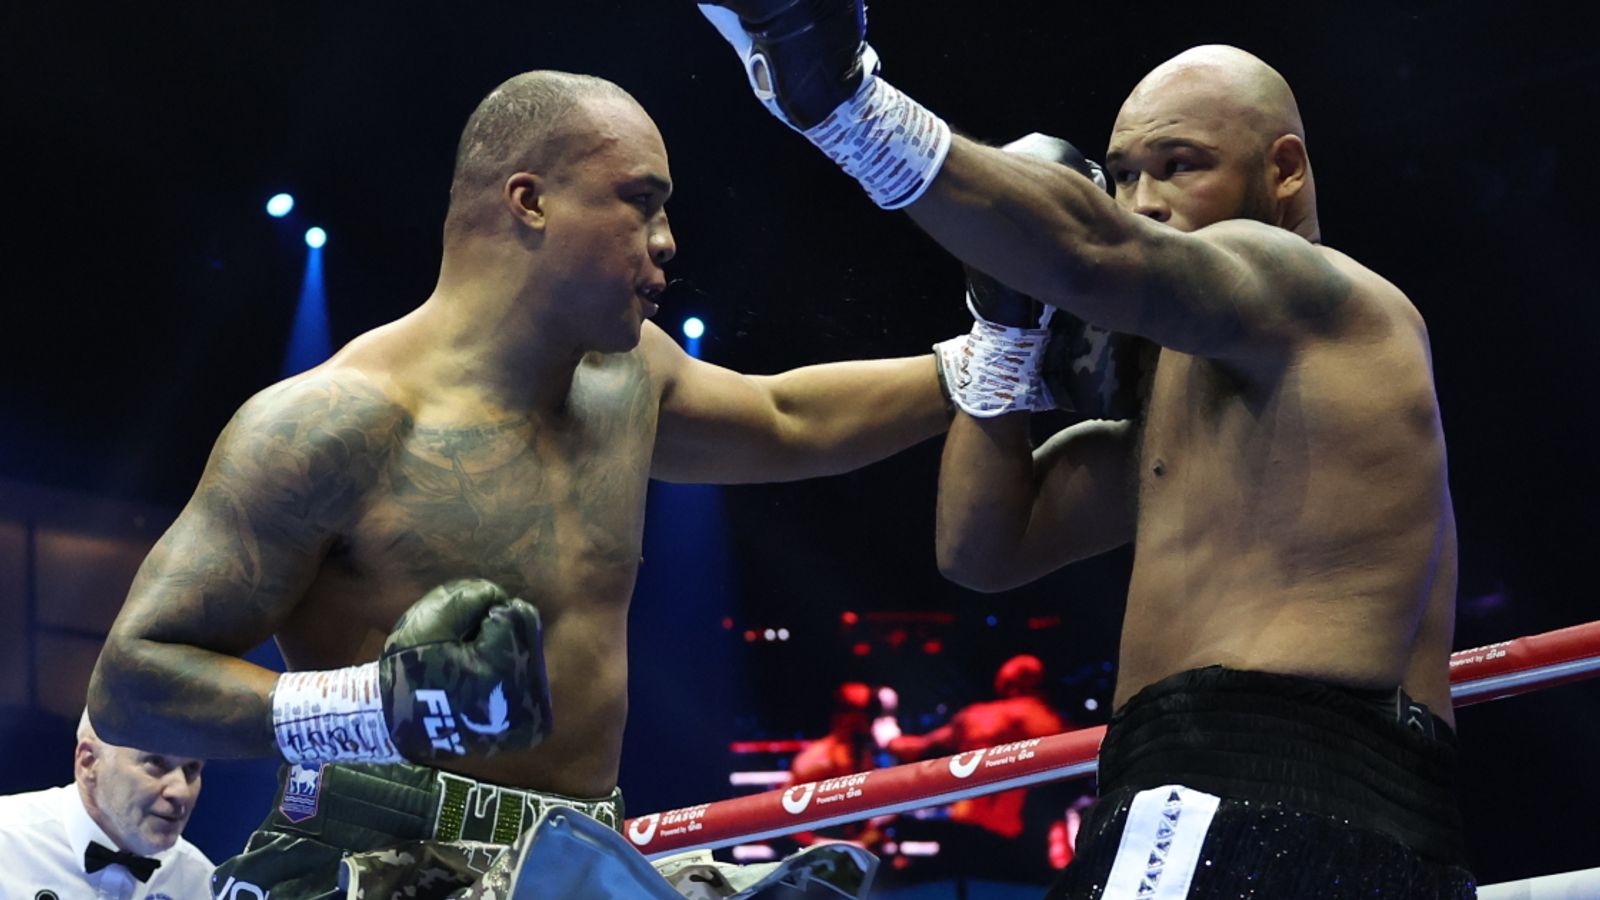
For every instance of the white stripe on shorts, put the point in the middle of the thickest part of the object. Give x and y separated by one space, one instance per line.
1160 844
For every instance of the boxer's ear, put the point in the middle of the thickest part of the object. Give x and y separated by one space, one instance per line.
525 197
1289 168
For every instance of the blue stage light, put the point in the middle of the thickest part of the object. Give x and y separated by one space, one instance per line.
280 205
316 237
693 328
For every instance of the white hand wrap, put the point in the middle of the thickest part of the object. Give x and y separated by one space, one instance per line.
887 141
332 716
994 369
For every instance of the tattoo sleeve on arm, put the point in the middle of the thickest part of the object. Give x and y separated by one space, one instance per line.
282 478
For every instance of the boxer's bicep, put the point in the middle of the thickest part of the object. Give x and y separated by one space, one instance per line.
724 427
235 561
223 578
1237 290
1008 516
278 484
1084 497
716 426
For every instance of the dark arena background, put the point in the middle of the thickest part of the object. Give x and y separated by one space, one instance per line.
149 293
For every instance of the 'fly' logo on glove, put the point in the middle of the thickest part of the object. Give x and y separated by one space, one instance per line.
441 722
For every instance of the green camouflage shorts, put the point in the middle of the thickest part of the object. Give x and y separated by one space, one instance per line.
428 834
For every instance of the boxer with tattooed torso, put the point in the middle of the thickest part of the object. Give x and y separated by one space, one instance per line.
495 443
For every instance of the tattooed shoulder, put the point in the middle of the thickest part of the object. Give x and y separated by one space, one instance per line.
309 446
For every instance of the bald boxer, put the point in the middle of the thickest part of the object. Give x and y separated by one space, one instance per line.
1283 723
497 440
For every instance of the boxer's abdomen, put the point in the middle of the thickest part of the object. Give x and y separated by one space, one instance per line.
1292 528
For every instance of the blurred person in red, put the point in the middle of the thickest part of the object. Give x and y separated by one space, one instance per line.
848 747
1020 713
855 735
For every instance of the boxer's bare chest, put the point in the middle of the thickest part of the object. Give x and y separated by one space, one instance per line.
549 507
1220 467
1288 524
1207 432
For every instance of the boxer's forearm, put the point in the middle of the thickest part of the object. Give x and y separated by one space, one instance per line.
217 583
1037 227
986 494
909 747
1007 516
836 417
178 699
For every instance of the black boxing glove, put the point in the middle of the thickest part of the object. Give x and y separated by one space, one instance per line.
462 673
805 56
1000 366
809 63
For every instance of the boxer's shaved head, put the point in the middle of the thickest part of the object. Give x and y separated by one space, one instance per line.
1227 83
528 123
1240 116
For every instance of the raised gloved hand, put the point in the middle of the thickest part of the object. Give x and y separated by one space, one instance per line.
803 57
809 63
462 673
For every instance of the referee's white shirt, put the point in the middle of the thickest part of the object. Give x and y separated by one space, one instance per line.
43 835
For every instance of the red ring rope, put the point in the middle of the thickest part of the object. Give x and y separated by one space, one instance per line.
1482 673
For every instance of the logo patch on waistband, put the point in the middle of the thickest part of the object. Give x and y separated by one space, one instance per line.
301 792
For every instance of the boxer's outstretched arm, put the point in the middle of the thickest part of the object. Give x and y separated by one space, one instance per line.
1008 514
1234 290
227 572
719 426
943 740
912 747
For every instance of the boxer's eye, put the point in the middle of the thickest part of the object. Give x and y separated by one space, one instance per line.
649 203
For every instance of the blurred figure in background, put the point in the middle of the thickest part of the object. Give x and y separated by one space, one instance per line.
1021 712
849 746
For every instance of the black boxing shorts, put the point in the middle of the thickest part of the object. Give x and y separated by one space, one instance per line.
1222 783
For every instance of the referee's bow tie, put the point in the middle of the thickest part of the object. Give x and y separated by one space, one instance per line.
98 856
